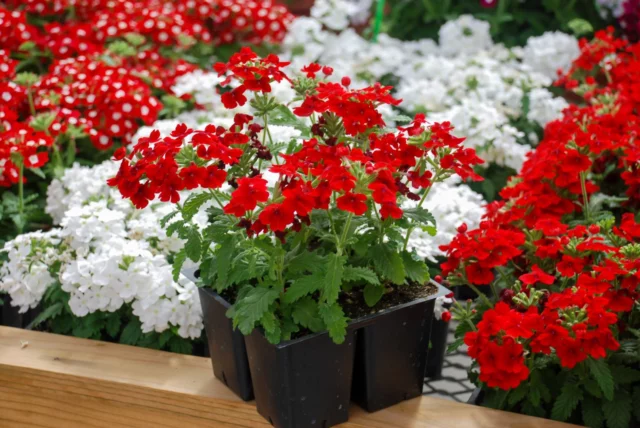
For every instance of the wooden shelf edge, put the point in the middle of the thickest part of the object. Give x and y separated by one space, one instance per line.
48 380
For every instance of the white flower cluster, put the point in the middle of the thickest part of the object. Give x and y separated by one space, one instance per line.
479 86
451 205
110 255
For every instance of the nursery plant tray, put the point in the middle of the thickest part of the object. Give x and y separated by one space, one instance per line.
48 380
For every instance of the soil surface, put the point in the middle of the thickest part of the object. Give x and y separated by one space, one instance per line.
354 305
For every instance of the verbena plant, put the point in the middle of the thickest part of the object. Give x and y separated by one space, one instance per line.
293 225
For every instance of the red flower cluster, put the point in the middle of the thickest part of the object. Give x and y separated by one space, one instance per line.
90 86
350 163
165 23
574 284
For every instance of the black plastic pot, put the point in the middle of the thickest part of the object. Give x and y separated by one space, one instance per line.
391 353
11 317
302 383
477 396
438 349
226 345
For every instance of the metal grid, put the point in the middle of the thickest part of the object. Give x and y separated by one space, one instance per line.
453 384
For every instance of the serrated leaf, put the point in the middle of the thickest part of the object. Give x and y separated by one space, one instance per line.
48 313
305 313
131 333
306 261
333 277
334 319
566 402
388 263
373 294
113 324
178 261
180 345
416 270
537 389
355 273
420 215
165 219
252 307
193 204
174 227
623 375
592 412
302 287
617 412
193 246
224 255
601 373
592 387
518 394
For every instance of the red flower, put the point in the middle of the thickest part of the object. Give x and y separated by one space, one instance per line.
245 198
570 266
353 202
537 275
277 217
478 275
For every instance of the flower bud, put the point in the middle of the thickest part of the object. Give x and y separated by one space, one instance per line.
327 71
346 81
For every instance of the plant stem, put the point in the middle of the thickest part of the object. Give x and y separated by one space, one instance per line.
585 198
481 295
345 231
21 197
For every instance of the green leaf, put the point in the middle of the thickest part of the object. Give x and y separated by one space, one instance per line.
601 373
224 255
193 246
304 262
334 319
617 412
592 412
193 204
416 270
38 172
518 394
178 261
537 389
373 294
302 287
567 401
592 387
271 327
112 326
252 307
388 263
180 345
420 215
281 115
174 227
623 375
580 27
131 333
49 313
333 277
168 217
306 314
354 273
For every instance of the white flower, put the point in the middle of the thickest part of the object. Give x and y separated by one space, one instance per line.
464 35
451 205
548 53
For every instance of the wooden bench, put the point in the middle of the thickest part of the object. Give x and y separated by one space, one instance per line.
48 380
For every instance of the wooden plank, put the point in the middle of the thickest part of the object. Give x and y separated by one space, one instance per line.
53 381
